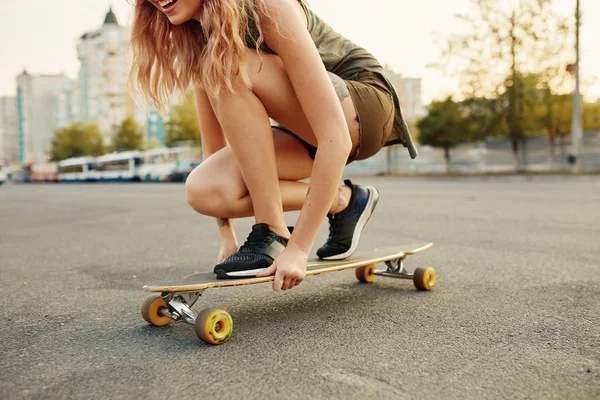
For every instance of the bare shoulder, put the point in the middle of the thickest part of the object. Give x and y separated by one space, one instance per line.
283 9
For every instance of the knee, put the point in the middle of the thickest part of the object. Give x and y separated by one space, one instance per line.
203 195
209 194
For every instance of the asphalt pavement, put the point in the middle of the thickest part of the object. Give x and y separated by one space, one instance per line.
515 312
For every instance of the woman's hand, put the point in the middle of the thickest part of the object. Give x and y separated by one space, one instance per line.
228 247
289 268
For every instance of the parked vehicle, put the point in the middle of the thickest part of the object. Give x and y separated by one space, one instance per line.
79 169
159 164
119 167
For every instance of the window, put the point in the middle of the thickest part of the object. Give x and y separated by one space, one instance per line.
70 169
116 165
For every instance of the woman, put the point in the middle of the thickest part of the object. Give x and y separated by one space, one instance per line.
250 61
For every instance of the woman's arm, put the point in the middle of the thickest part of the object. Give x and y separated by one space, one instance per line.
322 108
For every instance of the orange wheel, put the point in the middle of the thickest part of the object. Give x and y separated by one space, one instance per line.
214 326
365 274
424 278
150 308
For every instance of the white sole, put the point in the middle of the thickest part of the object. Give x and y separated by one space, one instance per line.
251 273
362 221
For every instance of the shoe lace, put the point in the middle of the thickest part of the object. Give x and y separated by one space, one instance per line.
334 226
253 242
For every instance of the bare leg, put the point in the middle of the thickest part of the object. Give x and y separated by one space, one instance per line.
244 119
216 187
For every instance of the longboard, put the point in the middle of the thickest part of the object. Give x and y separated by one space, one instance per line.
214 326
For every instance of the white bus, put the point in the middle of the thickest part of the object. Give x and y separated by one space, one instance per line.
78 169
159 164
189 159
119 167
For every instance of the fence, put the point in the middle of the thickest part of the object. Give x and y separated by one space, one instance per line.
491 155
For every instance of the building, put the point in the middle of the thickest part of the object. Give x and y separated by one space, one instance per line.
156 129
9 149
103 95
66 104
409 92
36 123
413 97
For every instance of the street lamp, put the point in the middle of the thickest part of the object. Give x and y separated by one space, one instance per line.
576 119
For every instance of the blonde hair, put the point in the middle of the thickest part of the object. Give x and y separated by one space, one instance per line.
209 54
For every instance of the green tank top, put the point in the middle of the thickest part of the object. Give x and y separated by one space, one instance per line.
345 59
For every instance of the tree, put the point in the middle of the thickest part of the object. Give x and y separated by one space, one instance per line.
485 116
183 124
152 144
77 140
591 116
557 120
445 126
128 136
500 50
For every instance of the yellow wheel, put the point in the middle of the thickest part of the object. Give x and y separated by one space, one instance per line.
150 308
365 274
214 326
424 278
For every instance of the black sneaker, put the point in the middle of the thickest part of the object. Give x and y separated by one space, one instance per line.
345 227
254 256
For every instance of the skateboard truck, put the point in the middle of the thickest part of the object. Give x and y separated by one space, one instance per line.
179 306
395 269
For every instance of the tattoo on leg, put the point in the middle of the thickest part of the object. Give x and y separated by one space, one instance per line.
340 87
221 222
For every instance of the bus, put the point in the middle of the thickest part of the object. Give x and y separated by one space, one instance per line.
189 159
78 169
159 164
119 167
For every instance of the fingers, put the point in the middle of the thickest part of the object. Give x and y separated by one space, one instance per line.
267 272
278 281
296 282
286 283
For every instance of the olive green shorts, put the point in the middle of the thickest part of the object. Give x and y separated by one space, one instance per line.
374 105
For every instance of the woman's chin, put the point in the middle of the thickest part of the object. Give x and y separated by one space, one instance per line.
176 20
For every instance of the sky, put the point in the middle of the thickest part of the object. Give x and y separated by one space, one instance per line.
41 35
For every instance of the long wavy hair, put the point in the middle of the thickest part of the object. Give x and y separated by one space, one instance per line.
209 54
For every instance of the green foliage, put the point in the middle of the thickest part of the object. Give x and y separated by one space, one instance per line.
591 116
446 125
558 117
77 140
129 136
183 124
510 56
486 117
153 144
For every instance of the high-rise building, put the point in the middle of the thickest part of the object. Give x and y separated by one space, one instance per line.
36 123
66 104
156 130
9 149
105 62
409 92
413 95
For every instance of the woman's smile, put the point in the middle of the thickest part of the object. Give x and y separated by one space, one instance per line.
168 6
